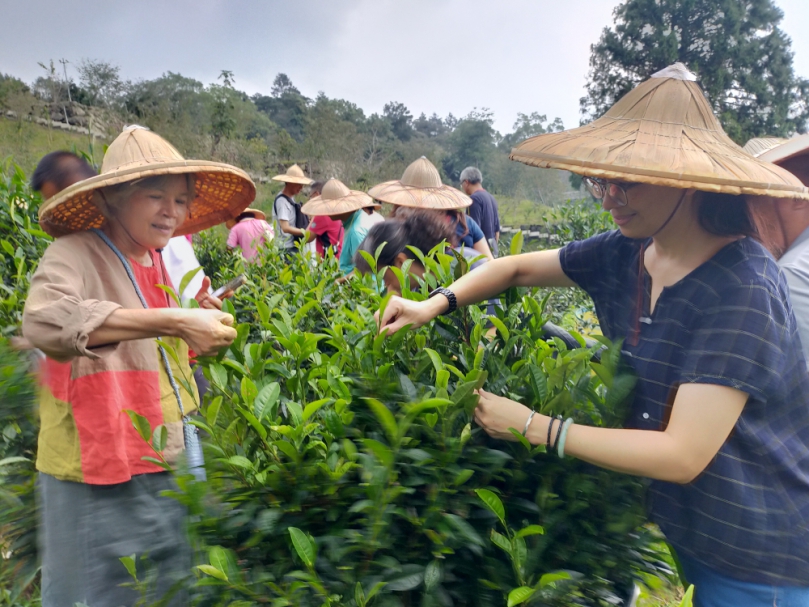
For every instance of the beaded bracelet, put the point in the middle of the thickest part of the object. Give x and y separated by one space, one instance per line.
560 442
550 430
528 422
558 434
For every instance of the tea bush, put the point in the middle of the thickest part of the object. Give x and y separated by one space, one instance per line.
21 245
344 468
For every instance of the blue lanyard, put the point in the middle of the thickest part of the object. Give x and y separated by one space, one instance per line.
139 293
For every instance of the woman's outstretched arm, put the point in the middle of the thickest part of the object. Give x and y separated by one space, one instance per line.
702 418
541 269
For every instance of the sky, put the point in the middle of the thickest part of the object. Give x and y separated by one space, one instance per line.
432 55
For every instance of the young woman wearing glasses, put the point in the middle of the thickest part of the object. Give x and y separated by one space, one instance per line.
720 414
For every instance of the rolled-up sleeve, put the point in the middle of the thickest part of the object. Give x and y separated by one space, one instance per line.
57 318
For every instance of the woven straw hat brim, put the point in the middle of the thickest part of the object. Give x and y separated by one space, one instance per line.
292 179
256 212
443 197
797 146
222 192
320 206
661 133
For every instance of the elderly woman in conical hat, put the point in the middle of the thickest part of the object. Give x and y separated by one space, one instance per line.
421 188
95 310
719 414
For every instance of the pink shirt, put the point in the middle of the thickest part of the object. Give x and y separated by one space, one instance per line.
249 235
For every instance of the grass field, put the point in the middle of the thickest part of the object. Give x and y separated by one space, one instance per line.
25 143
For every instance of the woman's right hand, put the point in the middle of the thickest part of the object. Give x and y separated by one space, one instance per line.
206 331
402 312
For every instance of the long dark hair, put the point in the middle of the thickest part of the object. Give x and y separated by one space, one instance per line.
725 215
422 230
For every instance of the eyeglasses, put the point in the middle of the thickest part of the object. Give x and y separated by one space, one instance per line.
601 188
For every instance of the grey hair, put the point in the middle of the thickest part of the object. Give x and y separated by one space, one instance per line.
471 175
114 196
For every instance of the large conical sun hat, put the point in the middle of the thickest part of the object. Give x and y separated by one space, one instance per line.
335 199
222 191
758 145
294 174
663 132
778 150
420 187
256 213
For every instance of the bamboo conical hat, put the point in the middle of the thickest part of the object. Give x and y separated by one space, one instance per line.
420 187
663 132
258 214
294 174
758 145
776 150
222 191
335 198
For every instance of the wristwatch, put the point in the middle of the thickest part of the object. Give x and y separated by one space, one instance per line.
453 301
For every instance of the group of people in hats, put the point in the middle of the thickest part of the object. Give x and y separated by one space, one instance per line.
719 417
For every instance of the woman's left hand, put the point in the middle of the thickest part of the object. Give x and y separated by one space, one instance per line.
205 299
496 414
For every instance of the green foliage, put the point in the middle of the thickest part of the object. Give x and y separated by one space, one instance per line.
344 468
741 57
21 244
18 434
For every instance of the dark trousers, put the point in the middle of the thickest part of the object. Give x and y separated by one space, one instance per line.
86 529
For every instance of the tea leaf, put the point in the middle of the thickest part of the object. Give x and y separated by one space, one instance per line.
385 418
303 546
520 595
493 503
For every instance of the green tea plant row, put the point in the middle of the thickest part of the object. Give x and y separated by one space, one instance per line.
344 468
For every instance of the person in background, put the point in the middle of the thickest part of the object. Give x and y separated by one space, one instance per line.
422 229
59 170
326 232
718 416
785 223
341 204
290 222
94 308
484 206
372 215
249 232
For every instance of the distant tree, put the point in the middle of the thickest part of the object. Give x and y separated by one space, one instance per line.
50 87
101 82
400 118
530 125
282 85
223 121
286 107
742 58
430 127
472 142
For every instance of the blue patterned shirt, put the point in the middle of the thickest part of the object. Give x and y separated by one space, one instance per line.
730 323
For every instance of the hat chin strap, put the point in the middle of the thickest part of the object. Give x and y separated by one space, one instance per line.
673 213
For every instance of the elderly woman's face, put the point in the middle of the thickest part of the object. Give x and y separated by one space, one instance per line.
153 213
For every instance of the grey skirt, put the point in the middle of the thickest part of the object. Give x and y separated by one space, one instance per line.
86 529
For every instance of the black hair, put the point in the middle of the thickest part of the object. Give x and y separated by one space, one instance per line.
422 230
725 215
245 215
61 169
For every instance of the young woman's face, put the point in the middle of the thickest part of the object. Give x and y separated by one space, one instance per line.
152 214
648 208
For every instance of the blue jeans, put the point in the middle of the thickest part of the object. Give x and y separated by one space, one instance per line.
712 589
